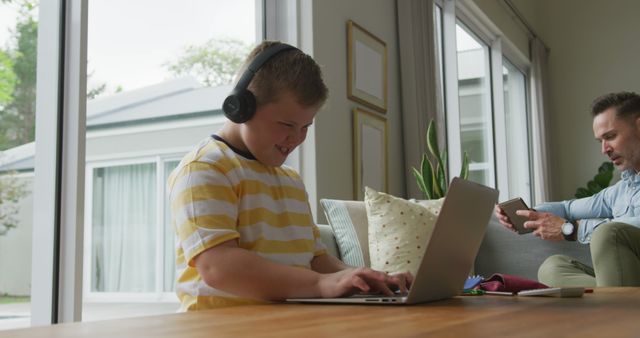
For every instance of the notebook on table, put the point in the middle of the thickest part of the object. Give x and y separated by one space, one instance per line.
563 292
450 253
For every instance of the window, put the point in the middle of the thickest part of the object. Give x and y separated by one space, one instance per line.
438 49
124 228
155 89
131 243
474 97
516 120
18 54
486 100
145 108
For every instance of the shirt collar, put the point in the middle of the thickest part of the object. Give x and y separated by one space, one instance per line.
631 176
242 153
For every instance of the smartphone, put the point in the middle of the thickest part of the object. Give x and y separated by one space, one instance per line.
510 207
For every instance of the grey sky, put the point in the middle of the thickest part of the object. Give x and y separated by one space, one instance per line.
7 21
130 40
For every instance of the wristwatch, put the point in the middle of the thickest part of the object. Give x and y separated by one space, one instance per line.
568 230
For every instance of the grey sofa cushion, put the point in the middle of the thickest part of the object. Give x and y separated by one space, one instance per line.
502 251
326 234
507 252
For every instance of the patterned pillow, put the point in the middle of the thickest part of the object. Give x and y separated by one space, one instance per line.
399 230
348 219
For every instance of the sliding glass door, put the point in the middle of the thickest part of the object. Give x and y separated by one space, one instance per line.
157 72
487 105
474 98
18 55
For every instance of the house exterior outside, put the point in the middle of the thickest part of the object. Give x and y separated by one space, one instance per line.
134 140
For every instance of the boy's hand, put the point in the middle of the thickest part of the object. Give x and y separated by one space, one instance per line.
355 280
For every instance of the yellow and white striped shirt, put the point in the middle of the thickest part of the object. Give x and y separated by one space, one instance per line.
217 194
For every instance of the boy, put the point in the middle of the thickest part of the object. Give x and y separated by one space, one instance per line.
243 221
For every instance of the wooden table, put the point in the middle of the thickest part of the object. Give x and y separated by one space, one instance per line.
608 312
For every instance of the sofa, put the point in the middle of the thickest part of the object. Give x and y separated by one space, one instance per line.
501 251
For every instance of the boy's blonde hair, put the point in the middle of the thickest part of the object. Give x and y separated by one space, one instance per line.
292 71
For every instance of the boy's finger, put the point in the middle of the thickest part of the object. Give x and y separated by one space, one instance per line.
385 289
409 279
360 284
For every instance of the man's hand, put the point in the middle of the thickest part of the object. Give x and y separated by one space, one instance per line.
545 225
355 280
503 218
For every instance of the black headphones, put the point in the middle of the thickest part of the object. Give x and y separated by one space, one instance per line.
240 105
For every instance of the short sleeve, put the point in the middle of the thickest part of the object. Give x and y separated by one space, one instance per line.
204 208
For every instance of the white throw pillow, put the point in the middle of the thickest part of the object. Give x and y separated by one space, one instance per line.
399 230
348 219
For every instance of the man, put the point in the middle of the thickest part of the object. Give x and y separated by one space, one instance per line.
610 220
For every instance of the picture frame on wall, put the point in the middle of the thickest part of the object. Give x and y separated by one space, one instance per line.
370 152
366 68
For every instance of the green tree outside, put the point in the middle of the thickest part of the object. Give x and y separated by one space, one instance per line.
213 63
7 79
17 116
17 104
11 191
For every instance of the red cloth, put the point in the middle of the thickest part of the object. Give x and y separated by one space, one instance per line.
510 283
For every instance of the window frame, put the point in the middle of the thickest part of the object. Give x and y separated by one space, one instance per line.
526 73
499 47
487 111
58 232
158 294
291 21
57 228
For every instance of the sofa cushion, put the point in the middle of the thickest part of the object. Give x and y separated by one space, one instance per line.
348 219
507 252
501 250
329 240
399 230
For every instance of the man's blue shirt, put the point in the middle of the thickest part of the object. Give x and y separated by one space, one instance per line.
617 203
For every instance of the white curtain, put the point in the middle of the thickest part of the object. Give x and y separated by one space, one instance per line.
418 82
170 240
539 120
124 229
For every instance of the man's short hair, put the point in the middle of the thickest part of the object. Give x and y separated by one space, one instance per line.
627 104
290 70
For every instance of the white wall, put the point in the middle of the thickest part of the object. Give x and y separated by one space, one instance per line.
164 137
334 135
334 126
595 49
15 249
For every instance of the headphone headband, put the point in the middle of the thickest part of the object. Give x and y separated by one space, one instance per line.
258 62
240 105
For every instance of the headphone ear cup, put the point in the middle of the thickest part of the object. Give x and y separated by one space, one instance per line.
239 106
249 105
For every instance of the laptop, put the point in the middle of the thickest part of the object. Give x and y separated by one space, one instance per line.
450 253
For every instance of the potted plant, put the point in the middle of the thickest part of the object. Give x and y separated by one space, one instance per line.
600 181
432 179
